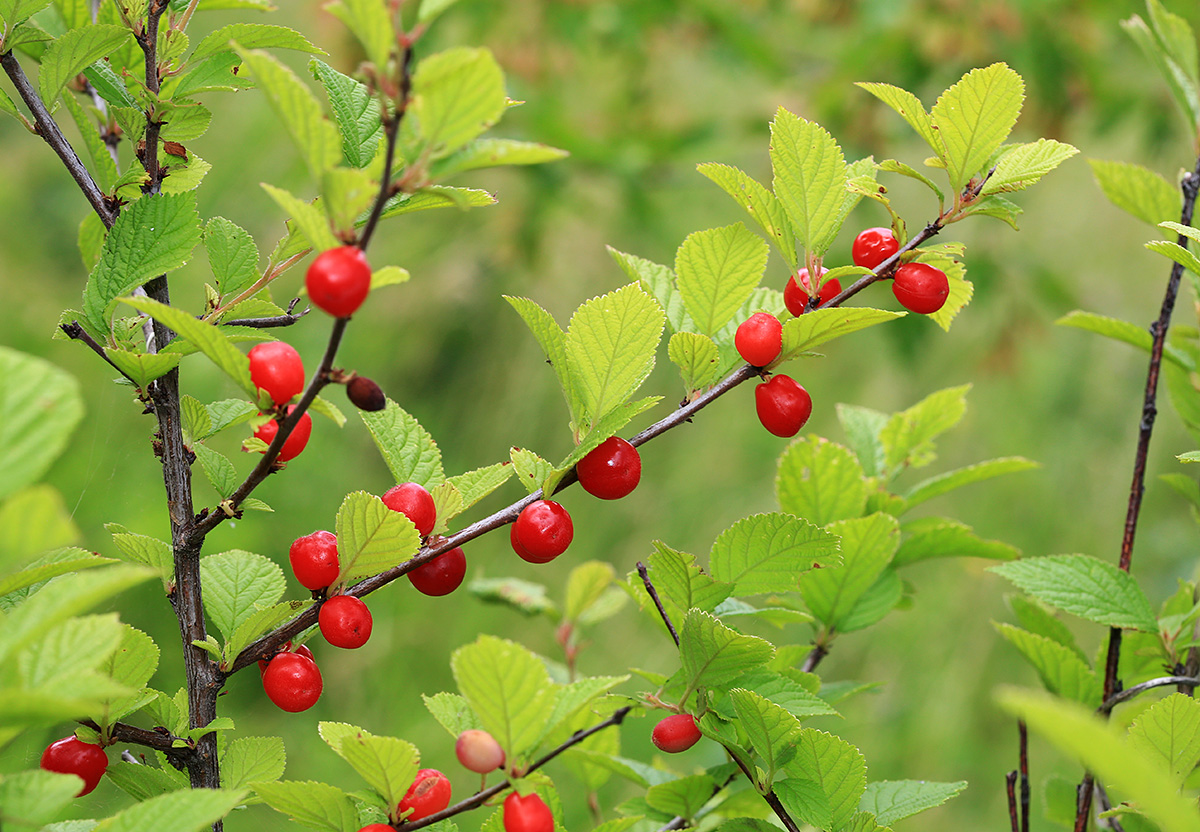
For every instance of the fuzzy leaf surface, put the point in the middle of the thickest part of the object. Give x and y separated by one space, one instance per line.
809 178
371 537
407 448
1137 190
975 116
836 767
820 481
893 800
868 544
1061 670
712 653
1169 732
717 270
509 688
40 405
769 552
1084 586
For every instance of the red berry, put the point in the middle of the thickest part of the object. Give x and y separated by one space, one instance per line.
783 405
921 288
527 814
292 682
610 470
543 531
430 793
345 621
276 367
415 503
296 440
338 280
759 339
442 575
478 751
873 246
314 559
71 755
302 650
675 733
795 295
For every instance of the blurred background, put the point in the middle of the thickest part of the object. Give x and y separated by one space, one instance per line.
640 92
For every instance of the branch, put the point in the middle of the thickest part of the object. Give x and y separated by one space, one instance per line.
1010 783
286 319
48 129
641 568
479 798
1023 732
158 740
1127 694
76 332
391 129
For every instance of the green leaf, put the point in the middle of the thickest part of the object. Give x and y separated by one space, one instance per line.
697 358
153 236
610 347
1037 619
1024 164
407 448
771 729
949 481
32 799
145 550
436 196
975 116
315 805
458 94
1137 190
553 342
810 179
70 54
868 544
1160 52
33 521
938 537
238 584
836 767
490 153
218 470
371 25
804 799
104 169
316 139
1125 332
911 110
769 552
452 712
208 338
814 328
477 484
259 622
50 565
820 481
1176 252
232 255
355 112
881 597
190 810
780 690
40 405
131 664
524 597
249 760
510 690
759 203
389 765
430 9
1101 748
531 469
16 12
712 653
69 650
681 584
585 585
893 800
659 281
893 166
862 427
1061 669
310 219
718 269
683 797
371 537
1168 732
143 368
1083 586
908 435
251 36
348 193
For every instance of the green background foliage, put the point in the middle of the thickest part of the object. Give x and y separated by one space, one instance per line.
640 92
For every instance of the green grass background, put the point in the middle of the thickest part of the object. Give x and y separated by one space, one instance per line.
640 92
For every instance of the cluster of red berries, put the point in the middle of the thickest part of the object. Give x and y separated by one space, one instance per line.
784 406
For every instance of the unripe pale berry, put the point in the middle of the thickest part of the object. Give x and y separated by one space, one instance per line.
314 559
921 288
292 682
414 502
527 814
276 367
611 470
759 339
542 532
338 280
442 575
796 294
71 755
675 733
783 406
478 751
345 621
429 793
872 246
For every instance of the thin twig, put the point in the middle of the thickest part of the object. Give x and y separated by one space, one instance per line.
268 323
76 332
1106 806
1127 694
1010 783
1023 765
653 593
482 797
391 129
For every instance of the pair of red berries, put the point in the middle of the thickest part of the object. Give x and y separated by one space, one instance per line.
919 287
783 406
345 620
276 369
292 680
443 574
71 755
